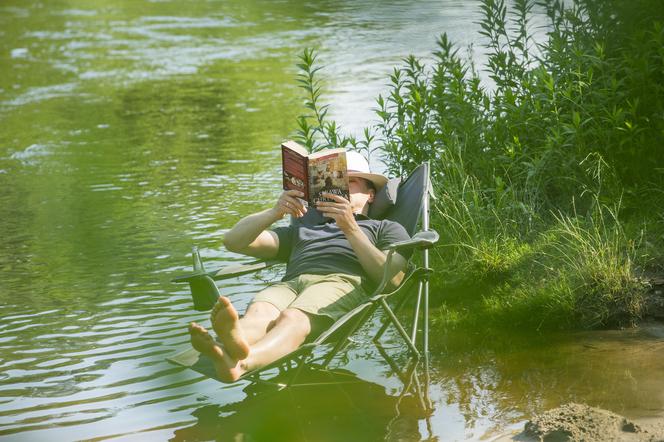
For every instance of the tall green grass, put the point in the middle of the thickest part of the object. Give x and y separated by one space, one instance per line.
547 176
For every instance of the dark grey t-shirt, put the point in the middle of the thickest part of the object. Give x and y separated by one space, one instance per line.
323 249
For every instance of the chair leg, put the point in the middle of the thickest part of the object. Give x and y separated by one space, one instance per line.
416 314
386 322
393 365
400 328
298 370
343 340
418 392
425 337
409 378
427 381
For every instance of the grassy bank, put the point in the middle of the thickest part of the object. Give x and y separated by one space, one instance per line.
548 175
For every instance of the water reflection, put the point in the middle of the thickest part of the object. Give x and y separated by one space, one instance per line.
336 407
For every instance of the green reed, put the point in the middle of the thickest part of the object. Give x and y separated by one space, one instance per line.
541 171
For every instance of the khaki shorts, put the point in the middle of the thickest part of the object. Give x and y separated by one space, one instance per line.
330 295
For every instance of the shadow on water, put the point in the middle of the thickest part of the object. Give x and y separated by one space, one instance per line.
328 406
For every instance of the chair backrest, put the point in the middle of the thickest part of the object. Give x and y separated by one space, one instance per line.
410 201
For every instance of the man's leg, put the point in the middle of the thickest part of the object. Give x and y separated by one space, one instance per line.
237 334
290 330
257 320
227 368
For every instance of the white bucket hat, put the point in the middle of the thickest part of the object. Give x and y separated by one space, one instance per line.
359 167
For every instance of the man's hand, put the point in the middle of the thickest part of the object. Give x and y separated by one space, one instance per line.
371 259
251 236
289 203
340 210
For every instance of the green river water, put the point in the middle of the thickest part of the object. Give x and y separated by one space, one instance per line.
131 130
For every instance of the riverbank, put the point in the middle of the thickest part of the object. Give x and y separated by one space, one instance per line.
580 422
632 420
550 220
505 305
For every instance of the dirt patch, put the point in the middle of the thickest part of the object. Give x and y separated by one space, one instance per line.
577 422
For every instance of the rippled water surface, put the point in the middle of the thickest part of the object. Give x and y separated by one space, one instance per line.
132 130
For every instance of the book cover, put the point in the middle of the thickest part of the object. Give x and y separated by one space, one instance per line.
316 173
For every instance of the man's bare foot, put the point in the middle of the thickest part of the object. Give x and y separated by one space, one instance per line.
226 324
227 368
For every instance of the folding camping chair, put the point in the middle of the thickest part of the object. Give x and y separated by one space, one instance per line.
410 209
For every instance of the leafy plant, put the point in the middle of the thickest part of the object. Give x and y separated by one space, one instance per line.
540 172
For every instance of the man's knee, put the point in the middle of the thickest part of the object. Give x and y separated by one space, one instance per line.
263 310
295 318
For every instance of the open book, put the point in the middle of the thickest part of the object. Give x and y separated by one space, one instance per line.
315 173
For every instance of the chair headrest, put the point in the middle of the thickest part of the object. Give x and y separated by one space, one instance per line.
385 198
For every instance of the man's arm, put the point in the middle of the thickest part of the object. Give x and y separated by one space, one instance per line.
250 235
371 258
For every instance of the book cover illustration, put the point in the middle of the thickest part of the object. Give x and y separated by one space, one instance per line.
327 174
316 173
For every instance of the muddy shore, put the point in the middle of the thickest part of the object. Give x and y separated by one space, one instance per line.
579 422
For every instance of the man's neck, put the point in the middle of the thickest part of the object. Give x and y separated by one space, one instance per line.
364 211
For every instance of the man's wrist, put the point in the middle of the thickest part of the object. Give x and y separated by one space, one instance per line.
352 229
274 214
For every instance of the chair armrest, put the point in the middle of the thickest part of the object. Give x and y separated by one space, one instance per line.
229 272
421 240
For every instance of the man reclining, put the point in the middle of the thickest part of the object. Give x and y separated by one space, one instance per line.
328 266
